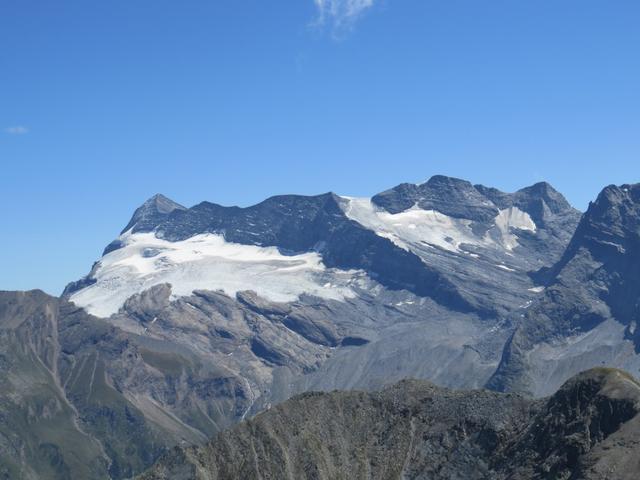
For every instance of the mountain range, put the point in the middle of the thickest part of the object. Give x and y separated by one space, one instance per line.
195 319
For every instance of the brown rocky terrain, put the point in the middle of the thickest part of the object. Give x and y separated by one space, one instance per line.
589 429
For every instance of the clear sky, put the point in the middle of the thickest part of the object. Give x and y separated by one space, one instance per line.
103 104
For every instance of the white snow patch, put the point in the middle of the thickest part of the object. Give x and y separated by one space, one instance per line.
504 267
514 218
416 228
406 302
412 227
206 262
536 289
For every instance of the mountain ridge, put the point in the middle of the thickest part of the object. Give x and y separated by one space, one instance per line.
322 224
415 429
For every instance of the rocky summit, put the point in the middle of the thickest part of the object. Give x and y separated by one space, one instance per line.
196 319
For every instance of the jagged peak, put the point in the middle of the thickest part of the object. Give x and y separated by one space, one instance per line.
608 232
541 187
162 204
274 199
448 195
612 194
616 210
544 191
437 180
155 207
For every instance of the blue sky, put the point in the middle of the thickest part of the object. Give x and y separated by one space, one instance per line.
103 104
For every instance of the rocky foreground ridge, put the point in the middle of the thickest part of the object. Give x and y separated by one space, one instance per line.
589 429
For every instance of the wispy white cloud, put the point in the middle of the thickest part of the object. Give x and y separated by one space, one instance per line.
17 130
341 13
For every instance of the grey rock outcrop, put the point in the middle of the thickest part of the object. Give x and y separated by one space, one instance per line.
450 196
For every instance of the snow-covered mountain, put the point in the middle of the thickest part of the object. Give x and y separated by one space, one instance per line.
426 279
196 318
415 237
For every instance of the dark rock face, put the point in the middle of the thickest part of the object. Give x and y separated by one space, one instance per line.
78 285
551 212
152 212
610 234
451 196
586 411
417 430
555 220
539 200
591 291
460 199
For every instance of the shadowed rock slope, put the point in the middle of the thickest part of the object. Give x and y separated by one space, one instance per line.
590 309
589 429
